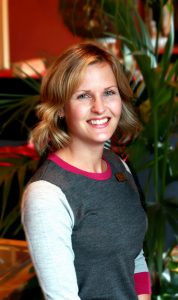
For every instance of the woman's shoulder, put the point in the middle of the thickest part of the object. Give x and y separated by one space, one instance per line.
43 197
109 154
115 159
43 170
38 192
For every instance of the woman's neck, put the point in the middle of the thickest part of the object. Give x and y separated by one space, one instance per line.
88 159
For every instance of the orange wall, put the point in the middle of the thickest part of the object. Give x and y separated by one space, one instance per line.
36 29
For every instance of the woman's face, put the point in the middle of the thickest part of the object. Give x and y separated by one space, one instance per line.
93 112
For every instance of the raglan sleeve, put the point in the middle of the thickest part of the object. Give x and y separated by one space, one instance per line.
47 219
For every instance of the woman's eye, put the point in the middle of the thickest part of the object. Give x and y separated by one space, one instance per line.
83 96
109 93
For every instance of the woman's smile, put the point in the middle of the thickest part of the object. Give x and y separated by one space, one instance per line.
99 122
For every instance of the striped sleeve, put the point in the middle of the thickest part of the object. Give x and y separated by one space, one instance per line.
141 275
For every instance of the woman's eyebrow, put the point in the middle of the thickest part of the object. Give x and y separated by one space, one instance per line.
112 86
89 91
81 91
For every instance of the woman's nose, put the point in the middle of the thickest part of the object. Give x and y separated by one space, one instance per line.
98 105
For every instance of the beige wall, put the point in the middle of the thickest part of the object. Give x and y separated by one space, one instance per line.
4 35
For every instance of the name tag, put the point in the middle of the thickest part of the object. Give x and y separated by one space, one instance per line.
120 177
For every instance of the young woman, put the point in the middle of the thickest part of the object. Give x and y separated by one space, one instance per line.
81 211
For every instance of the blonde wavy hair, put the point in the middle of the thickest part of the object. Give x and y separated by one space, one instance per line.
60 82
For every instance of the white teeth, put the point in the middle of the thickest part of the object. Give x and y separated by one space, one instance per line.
99 122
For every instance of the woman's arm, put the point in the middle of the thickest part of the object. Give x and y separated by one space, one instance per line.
48 221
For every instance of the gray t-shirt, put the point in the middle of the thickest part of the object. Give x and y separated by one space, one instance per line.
85 230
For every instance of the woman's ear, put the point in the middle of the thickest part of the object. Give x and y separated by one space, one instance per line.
61 113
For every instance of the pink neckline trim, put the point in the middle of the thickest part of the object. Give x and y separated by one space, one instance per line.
63 164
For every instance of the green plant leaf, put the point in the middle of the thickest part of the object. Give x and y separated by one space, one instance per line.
5 194
173 71
165 61
18 109
9 220
173 163
146 40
